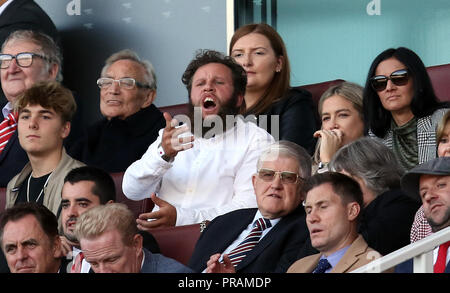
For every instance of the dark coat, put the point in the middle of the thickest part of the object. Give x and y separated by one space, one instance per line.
386 222
297 118
12 159
274 253
115 144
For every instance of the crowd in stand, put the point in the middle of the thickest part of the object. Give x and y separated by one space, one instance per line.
279 194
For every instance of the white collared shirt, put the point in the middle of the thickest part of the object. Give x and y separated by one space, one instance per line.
85 266
210 179
6 110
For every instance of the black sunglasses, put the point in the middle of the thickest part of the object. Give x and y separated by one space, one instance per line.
399 77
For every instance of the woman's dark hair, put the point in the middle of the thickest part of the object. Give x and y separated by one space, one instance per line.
424 102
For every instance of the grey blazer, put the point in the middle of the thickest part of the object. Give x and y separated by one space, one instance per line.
426 135
158 263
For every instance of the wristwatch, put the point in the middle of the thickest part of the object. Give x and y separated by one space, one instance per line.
323 165
163 155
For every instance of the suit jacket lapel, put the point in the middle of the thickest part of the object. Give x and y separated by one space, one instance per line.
357 248
8 146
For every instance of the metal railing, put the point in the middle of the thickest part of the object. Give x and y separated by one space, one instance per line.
421 251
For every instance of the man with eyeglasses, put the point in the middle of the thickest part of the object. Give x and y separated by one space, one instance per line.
231 243
131 121
26 57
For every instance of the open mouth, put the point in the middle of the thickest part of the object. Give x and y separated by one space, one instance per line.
315 231
209 103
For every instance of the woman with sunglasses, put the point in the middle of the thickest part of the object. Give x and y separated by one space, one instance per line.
262 53
400 106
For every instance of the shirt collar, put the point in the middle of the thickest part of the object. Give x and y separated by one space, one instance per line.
335 257
7 109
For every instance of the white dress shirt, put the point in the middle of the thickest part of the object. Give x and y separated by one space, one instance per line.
6 110
85 266
210 179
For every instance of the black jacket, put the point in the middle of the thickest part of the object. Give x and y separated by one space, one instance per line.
274 253
297 118
12 159
386 222
115 144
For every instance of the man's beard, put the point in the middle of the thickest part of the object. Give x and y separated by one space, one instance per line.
209 123
435 227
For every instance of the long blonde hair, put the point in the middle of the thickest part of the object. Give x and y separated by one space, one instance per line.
347 90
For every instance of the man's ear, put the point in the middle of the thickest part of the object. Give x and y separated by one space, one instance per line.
57 247
53 71
66 130
149 98
239 100
353 210
138 243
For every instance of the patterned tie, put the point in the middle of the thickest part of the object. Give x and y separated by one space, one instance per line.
7 128
240 251
439 266
322 266
76 266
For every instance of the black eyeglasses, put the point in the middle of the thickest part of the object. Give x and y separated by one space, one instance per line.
399 77
286 177
126 83
24 59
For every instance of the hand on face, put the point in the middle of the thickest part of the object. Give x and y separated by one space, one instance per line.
331 142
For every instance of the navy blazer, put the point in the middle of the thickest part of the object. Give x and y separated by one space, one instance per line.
12 159
274 253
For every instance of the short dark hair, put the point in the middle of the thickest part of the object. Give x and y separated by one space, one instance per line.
424 101
46 219
344 186
104 186
204 57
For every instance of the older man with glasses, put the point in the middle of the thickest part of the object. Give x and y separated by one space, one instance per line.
264 239
26 57
131 122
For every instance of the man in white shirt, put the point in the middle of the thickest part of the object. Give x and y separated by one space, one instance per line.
201 172
430 182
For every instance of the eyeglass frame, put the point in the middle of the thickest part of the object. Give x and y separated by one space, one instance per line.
136 83
387 78
15 57
280 175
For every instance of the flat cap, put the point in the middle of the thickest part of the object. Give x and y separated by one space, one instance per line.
410 181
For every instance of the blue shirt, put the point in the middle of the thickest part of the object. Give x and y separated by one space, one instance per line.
334 258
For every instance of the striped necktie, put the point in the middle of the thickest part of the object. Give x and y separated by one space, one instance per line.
77 263
240 251
7 128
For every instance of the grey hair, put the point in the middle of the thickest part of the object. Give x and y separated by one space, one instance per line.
127 54
48 47
98 220
371 161
287 149
348 90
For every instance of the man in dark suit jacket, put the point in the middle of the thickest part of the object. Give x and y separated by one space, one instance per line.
24 15
282 169
46 66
